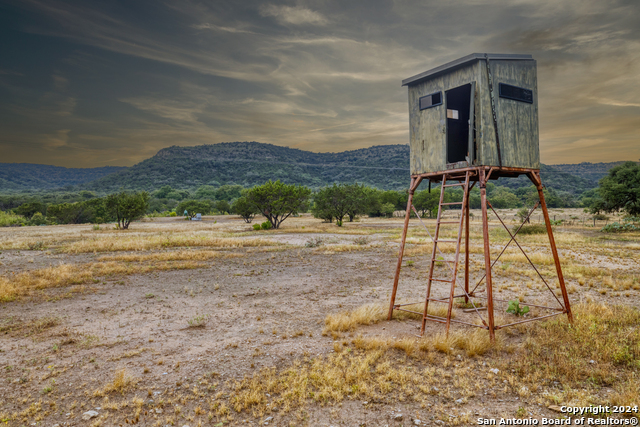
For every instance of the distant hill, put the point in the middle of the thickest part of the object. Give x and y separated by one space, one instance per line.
254 163
591 171
30 176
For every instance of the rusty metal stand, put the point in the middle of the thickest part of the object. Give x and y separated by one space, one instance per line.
481 176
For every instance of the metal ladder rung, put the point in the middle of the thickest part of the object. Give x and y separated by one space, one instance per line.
445 241
454 185
443 280
451 203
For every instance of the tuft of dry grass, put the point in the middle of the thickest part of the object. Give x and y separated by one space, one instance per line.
121 383
474 343
348 320
129 354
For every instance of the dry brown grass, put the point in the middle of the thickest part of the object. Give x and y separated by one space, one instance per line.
198 255
349 320
129 354
340 248
373 313
15 326
607 335
144 243
121 383
27 283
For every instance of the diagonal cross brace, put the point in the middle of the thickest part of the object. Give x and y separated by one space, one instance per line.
508 243
526 256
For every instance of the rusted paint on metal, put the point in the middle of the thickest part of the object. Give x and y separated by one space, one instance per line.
487 254
415 182
535 178
471 176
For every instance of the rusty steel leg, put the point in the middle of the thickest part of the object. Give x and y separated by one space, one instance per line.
432 263
552 242
487 254
466 249
414 184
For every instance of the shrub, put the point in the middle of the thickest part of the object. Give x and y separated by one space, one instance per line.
266 225
7 219
361 240
314 242
38 219
514 308
616 227
256 227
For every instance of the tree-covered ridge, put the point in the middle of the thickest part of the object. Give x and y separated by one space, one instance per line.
591 171
30 176
252 163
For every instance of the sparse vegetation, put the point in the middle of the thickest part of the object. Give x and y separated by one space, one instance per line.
262 293
198 321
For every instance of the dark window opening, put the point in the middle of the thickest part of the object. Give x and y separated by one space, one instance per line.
430 100
458 105
516 93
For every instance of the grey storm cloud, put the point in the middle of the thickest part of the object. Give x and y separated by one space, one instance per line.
94 83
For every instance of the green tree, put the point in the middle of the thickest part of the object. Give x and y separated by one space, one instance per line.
245 209
178 195
27 210
194 207
387 209
223 206
359 200
426 202
277 201
126 207
163 192
206 192
228 192
90 211
502 198
620 190
340 200
333 202
322 206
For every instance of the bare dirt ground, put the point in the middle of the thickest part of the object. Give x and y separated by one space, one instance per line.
141 333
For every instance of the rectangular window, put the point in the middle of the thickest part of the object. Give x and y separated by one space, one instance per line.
516 93
430 100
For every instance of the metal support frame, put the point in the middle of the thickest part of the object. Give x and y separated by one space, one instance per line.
481 176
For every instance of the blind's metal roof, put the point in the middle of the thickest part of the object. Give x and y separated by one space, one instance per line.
463 61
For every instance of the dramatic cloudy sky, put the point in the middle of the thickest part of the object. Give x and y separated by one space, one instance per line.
92 83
